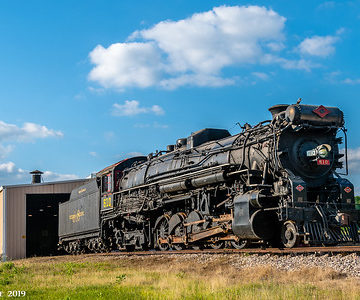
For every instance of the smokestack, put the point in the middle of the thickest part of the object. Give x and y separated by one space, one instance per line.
277 109
36 176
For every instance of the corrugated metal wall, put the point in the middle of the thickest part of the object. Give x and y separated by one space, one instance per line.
16 212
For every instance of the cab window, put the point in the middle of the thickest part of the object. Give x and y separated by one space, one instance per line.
106 183
117 179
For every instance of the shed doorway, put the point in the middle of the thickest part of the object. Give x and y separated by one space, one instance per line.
42 219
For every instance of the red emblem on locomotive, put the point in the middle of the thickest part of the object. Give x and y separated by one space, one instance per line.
347 189
299 187
321 111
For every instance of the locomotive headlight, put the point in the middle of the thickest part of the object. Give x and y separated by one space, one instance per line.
323 152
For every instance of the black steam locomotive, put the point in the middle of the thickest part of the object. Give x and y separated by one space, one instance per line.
274 183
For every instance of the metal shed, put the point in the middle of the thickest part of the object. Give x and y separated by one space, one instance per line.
25 205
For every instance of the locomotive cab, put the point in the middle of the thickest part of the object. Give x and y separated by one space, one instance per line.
109 179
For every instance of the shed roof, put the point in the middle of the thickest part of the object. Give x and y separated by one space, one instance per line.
42 184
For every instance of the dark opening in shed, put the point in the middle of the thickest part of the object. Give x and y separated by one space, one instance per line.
42 217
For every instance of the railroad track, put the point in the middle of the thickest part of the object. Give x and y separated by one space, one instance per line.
276 251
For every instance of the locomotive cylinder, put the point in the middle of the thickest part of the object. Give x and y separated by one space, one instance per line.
249 223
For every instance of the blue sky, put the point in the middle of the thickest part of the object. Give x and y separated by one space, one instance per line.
87 83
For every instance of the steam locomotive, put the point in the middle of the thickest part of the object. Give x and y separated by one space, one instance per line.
274 183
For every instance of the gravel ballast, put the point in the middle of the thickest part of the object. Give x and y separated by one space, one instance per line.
348 265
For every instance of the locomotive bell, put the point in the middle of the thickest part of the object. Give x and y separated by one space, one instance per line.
276 109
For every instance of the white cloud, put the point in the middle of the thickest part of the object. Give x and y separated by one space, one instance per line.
109 136
95 90
8 167
260 75
93 153
132 108
353 160
11 174
133 154
53 176
28 132
196 80
321 46
126 64
209 41
5 150
157 110
351 81
152 125
335 77
301 64
327 5
276 46
192 51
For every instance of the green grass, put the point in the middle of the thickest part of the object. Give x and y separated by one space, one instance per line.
166 278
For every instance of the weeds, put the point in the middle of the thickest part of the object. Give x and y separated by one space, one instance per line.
181 275
120 278
74 278
8 270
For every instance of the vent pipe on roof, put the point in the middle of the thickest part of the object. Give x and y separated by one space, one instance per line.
36 176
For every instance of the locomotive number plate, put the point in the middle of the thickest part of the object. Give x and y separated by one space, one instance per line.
107 202
323 162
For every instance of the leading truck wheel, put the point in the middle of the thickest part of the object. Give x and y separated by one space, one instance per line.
289 234
162 233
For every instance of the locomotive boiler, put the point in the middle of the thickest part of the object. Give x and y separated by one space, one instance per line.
275 183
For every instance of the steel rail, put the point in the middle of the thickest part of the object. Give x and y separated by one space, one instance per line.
273 251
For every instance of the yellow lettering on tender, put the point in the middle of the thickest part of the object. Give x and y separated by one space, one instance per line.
76 217
82 190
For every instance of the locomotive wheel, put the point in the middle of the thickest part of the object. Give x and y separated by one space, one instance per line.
118 239
66 248
162 233
179 229
240 244
217 245
193 217
289 234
